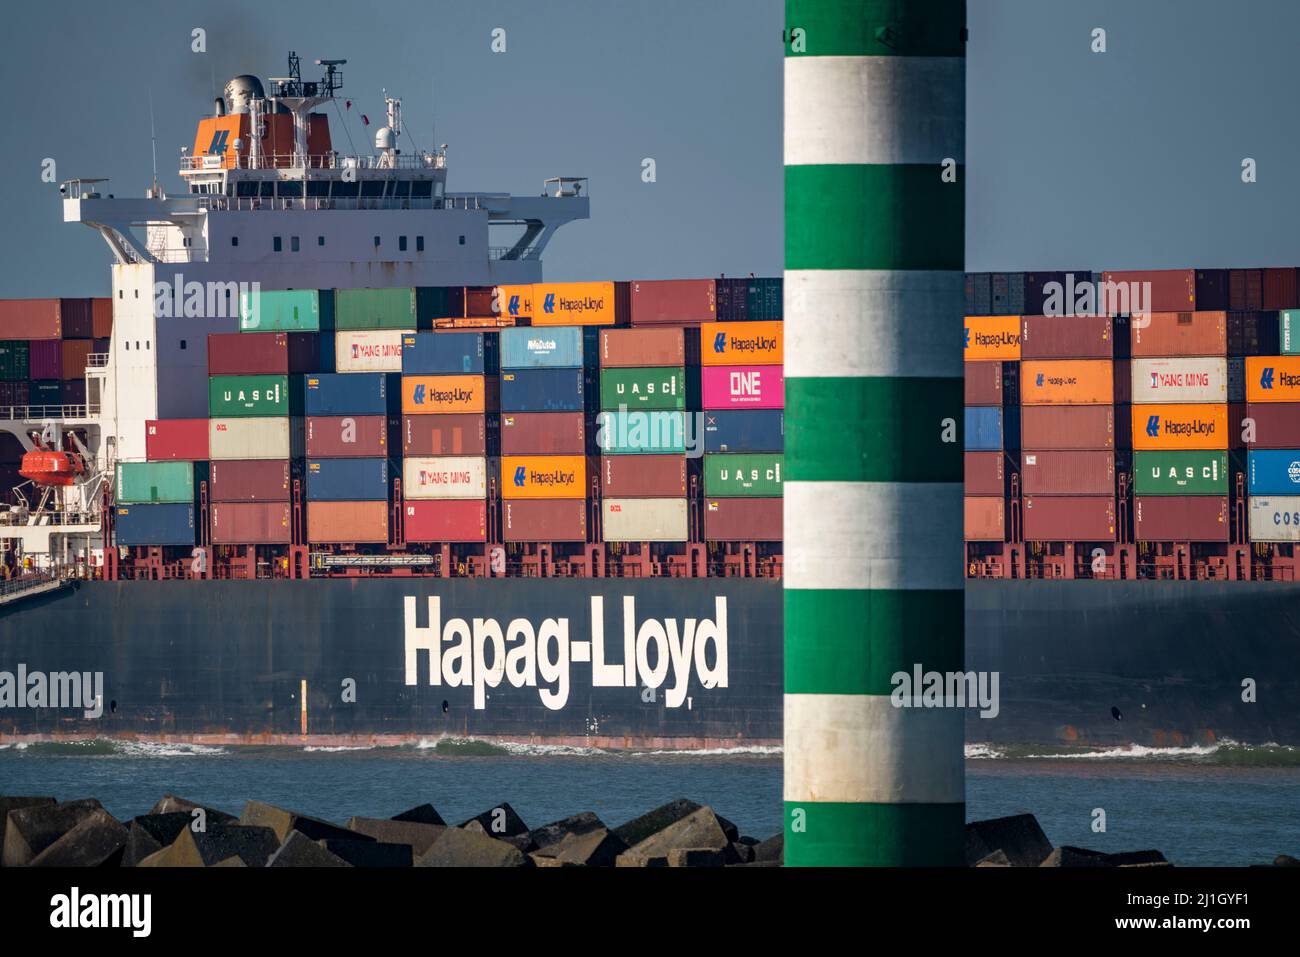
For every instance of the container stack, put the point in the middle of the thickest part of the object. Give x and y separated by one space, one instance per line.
743 396
1273 466
44 344
992 355
347 481
1180 421
749 300
546 375
252 432
155 502
643 393
448 432
369 327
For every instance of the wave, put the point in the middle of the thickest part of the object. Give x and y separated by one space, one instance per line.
331 749
111 747
1226 753
757 750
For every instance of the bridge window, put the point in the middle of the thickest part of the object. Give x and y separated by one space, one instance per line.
275 243
423 187
318 187
401 243
402 188
376 242
290 188
419 244
183 344
234 240
293 243
246 188
373 187
344 189
320 240
267 188
462 240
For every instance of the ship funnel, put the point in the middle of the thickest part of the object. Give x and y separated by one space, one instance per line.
240 90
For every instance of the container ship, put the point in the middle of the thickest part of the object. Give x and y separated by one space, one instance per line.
334 462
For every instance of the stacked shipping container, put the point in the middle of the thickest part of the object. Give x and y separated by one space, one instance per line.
743 397
1273 468
991 353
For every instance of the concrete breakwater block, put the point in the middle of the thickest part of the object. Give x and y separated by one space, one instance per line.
367 852
418 837
548 834
698 830
299 850
1019 837
458 847
97 841
421 814
13 803
499 821
282 821
149 833
172 804
32 829
598 847
638 829
252 845
771 851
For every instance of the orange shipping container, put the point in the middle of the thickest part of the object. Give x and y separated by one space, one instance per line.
1273 379
1067 382
514 301
347 522
992 337
428 394
573 304
742 343
985 518
1180 426
543 476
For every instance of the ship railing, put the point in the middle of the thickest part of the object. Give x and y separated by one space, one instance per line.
510 253
48 518
210 163
97 360
41 413
252 203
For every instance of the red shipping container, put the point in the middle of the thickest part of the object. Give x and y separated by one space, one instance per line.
642 347
1066 337
985 519
262 353
31 319
983 383
643 476
250 523
347 436
678 302
1175 334
543 433
985 473
445 521
1181 518
46 359
1171 290
1280 291
1067 472
101 318
347 522
456 433
250 480
1212 289
742 519
1069 518
544 520
1277 425
1245 289
1067 427
172 440
77 318
73 360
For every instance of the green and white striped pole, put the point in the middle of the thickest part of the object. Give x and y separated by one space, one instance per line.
874 244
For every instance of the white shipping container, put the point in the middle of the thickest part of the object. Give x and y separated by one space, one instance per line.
644 520
258 437
1180 380
444 477
1275 518
369 350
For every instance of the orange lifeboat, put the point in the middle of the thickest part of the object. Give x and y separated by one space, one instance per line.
48 467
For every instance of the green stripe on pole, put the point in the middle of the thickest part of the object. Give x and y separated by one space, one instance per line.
872 835
875 27
854 216
874 429
840 641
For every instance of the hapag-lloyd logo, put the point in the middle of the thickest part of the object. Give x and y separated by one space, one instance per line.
754 344
482 653
1180 427
422 394
549 478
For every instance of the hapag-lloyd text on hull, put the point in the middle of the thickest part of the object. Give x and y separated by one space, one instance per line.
481 652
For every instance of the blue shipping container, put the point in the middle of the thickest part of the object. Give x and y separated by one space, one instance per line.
640 432
346 393
347 480
169 524
541 347
444 353
983 428
1274 471
755 430
542 390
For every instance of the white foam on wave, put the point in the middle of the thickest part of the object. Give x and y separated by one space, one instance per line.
983 752
329 749
1139 751
165 749
760 750
520 747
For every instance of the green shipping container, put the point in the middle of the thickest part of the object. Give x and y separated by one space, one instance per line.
375 308
1289 333
755 475
285 310
1180 473
15 358
140 483
763 300
643 388
244 396
641 432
